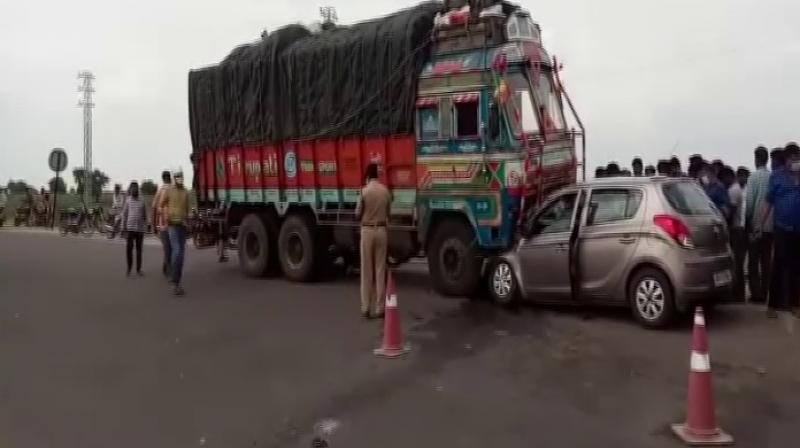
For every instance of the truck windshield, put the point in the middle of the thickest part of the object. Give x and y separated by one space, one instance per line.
521 109
548 100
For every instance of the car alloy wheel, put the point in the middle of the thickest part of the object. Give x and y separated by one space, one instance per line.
501 280
649 299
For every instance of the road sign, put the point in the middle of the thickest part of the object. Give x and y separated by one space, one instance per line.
57 160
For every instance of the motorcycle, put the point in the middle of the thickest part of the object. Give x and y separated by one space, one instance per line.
75 222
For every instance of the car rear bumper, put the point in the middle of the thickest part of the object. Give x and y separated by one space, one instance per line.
698 281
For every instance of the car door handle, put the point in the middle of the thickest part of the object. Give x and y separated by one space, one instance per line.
627 240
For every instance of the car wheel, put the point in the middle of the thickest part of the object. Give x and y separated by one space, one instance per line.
502 283
651 299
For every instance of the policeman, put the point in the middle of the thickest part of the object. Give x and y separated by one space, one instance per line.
373 212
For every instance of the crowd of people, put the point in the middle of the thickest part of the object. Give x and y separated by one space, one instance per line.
169 215
762 210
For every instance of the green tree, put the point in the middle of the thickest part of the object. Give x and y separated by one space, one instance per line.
18 186
61 186
148 187
98 181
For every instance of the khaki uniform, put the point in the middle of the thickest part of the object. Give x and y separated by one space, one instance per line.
373 210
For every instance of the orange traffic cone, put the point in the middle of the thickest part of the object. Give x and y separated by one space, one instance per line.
393 346
700 428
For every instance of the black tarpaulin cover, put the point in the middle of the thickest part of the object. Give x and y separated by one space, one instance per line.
293 84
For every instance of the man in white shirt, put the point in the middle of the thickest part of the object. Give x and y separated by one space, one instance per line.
737 232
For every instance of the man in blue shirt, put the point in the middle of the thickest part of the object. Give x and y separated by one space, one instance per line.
783 201
715 189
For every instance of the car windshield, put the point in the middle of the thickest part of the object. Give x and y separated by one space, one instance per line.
687 198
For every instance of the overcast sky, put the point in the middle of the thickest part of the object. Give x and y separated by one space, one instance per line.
649 77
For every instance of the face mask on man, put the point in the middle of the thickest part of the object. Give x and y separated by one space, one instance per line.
795 165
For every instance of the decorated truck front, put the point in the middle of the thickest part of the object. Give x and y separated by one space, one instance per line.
461 109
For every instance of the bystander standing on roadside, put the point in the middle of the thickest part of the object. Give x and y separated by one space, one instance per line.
759 250
715 190
134 225
160 221
738 237
637 167
783 199
650 170
175 203
675 168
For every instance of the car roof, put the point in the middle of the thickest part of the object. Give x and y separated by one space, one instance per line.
624 181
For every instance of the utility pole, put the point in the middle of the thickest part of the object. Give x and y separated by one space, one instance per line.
87 104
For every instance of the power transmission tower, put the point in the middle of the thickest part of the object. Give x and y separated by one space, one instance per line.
87 104
328 14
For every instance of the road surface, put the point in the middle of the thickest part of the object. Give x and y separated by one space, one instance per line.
89 358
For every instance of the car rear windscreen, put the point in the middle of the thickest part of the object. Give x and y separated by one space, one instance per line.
687 198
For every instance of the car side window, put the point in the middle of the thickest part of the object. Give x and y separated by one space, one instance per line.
610 205
555 217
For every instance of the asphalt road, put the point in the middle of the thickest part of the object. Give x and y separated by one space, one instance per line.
89 358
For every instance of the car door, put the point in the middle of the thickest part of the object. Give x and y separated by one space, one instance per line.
544 252
608 240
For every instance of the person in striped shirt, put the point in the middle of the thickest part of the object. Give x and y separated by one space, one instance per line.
134 225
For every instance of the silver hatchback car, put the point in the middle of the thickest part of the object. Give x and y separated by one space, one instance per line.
657 245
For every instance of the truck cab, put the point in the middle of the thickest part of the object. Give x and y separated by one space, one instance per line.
492 140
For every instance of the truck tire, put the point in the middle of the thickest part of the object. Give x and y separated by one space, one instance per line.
297 248
453 259
255 246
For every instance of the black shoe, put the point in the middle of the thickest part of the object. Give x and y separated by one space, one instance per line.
178 291
365 315
377 315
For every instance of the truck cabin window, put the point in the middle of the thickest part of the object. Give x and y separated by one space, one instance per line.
428 117
549 102
466 118
520 108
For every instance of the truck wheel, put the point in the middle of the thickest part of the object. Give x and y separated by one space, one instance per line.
255 245
297 248
453 259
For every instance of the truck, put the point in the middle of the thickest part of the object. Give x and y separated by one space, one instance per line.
458 103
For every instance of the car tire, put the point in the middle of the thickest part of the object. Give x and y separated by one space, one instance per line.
255 246
651 298
298 249
453 243
502 283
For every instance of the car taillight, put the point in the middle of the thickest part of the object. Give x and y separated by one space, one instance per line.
675 228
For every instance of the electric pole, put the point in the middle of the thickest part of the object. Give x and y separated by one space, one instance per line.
87 104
